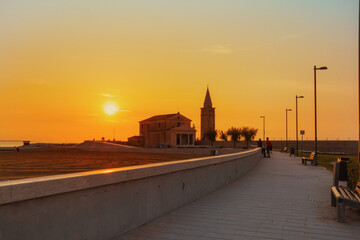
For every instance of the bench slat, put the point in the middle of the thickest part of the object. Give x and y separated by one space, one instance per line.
348 192
358 188
336 192
343 193
356 195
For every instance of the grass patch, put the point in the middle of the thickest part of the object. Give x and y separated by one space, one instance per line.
326 161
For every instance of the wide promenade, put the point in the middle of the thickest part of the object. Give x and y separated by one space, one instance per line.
279 199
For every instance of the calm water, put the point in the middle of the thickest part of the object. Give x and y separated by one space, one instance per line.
15 143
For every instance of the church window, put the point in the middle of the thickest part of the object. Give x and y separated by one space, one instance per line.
178 124
148 125
159 125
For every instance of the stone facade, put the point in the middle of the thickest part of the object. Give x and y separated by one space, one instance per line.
207 115
136 141
168 130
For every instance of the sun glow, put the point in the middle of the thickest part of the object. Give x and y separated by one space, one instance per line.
110 107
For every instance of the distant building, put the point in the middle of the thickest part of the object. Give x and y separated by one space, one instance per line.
169 129
137 141
207 115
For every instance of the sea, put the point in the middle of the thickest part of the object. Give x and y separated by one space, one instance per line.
11 143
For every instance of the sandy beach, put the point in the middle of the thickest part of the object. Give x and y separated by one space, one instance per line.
60 160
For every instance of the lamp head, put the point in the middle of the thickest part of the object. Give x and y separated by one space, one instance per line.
288 109
320 68
300 96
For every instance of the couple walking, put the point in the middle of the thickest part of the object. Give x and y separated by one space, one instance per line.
268 144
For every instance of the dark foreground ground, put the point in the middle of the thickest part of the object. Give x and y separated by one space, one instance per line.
61 160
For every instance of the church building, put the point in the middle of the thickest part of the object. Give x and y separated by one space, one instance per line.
169 129
174 130
207 115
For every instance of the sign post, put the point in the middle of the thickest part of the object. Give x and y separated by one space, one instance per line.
302 133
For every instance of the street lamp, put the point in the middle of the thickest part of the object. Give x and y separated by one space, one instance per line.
287 110
315 68
359 83
263 117
297 140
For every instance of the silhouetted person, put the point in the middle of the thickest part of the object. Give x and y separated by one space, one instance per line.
292 151
260 145
268 146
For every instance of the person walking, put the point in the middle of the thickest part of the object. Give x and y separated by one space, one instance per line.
260 145
268 146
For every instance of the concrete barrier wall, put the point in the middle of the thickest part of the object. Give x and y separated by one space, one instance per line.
104 204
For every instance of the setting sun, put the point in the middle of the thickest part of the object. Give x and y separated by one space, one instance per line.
110 107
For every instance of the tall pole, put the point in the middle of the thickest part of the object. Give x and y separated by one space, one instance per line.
264 128
263 117
297 140
315 146
297 125
287 110
315 150
359 85
286 132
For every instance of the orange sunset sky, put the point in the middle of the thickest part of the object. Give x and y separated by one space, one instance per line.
61 61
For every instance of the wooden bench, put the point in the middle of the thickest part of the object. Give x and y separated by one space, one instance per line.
310 159
284 150
343 196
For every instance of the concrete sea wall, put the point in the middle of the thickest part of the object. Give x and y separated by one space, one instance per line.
103 204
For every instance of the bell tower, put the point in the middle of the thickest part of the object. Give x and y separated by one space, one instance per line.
207 115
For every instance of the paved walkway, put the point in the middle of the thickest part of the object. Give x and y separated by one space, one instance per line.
279 199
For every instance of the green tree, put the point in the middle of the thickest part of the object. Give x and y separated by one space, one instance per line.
234 133
248 134
211 135
223 136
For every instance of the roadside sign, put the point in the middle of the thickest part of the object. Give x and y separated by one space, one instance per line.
302 132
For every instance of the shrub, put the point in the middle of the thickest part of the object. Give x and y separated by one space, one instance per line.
234 133
353 172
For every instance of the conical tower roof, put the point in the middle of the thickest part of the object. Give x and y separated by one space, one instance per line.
207 102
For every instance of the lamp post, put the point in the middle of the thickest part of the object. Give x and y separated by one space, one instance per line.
287 110
297 132
263 117
359 85
315 69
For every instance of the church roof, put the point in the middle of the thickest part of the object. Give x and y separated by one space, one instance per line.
164 117
207 102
